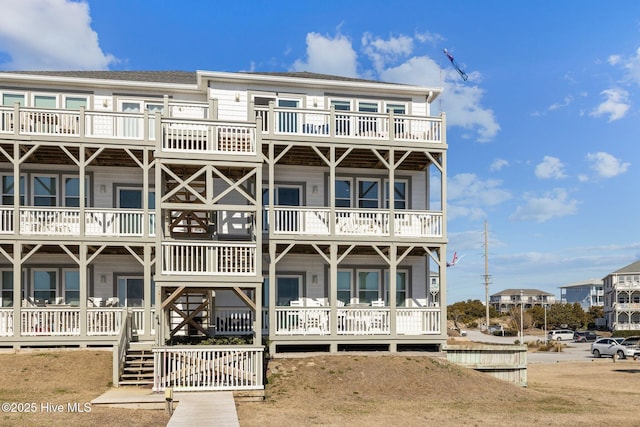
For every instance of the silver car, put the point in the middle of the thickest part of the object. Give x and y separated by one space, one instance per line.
618 346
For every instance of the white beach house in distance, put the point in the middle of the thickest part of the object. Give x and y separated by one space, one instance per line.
146 206
622 298
512 298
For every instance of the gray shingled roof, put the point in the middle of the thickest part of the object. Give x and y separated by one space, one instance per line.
178 77
524 292
634 267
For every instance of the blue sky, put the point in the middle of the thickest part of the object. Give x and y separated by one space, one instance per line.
543 136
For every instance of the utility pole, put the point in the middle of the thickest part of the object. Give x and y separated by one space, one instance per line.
486 271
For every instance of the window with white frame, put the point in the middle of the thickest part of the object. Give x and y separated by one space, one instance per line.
9 99
6 293
71 191
71 286
402 287
8 189
288 120
289 288
344 286
45 285
45 101
400 194
45 190
343 121
399 123
368 286
74 102
368 193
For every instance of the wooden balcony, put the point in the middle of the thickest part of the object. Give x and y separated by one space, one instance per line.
291 220
62 221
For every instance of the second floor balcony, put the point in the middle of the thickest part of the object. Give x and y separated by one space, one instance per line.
291 220
64 221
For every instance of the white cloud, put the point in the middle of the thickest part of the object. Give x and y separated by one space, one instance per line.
606 165
467 195
550 167
614 59
49 35
565 103
329 56
555 203
380 51
498 164
615 106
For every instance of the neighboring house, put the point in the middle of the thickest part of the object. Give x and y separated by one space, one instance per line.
304 208
622 298
588 293
511 298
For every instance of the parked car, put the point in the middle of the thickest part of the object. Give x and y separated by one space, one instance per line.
585 336
560 334
620 347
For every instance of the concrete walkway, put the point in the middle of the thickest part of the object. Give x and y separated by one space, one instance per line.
214 408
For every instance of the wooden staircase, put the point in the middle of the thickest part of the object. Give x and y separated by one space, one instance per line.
138 368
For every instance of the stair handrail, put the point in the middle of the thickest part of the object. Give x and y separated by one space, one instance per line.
121 347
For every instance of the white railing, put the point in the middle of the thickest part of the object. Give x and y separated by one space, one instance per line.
104 321
348 124
200 368
418 224
6 322
49 321
66 221
357 321
192 258
302 321
618 326
418 321
368 222
207 137
138 320
6 119
298 220
114 125
49 221
117 222
38 121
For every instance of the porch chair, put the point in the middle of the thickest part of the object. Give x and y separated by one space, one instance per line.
112 302
295 303
377 303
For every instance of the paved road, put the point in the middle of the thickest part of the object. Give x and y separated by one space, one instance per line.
573 351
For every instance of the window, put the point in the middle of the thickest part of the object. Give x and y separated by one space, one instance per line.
343 193
6 295
131 291
45 285
368 193
265 292
71 287
401 287
368 124
71 191
45 192
344 287
368 286
284 195
45 101
288 289
74 103
399 194
8 189
9 99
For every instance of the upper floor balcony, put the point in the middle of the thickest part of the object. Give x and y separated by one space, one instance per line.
305 221
324 124
65 221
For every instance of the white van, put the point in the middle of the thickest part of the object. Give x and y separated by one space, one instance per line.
560 334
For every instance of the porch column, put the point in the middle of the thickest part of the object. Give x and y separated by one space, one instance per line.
333 295
147 292
17 288
257 324
443 291
393 268
272 296
84 287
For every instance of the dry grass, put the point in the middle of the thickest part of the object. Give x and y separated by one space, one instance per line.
60 378
419 390
348 389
